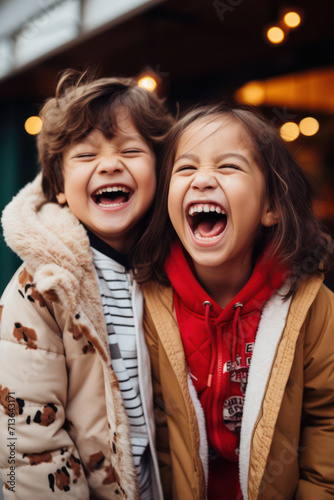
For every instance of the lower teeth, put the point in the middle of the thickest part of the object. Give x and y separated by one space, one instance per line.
110 204
205 238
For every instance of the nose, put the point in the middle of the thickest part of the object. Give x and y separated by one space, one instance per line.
204 181
110 164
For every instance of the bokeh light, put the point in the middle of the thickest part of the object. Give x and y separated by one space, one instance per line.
275 35
148 83
309 126
251 93
289 131
292 19
33 125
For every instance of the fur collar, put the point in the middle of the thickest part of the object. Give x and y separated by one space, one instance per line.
55 247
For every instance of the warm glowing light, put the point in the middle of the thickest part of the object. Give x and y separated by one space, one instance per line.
289 131
148 83
252 93
33 125
275 35
292 19
309 126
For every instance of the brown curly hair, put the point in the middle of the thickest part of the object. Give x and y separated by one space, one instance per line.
82 103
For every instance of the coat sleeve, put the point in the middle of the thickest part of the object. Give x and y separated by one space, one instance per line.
38 459
316 454
162 436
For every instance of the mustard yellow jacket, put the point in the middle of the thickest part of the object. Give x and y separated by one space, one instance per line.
287 434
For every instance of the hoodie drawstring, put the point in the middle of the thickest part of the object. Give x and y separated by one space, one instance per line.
207 306
236 330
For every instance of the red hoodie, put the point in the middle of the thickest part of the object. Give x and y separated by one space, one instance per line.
218 345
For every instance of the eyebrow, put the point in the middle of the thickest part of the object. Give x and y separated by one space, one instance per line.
217 159
132 137
187 156
90 142
228 155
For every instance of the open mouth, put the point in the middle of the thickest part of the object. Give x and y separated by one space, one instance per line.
111 196
207 221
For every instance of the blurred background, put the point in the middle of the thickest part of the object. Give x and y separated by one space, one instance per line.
275 54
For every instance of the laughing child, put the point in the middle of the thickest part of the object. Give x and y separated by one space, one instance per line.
75 387
239 325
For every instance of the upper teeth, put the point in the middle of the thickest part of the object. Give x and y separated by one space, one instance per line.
109 189
205 208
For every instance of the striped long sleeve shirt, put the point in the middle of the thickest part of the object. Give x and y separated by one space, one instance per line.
115 283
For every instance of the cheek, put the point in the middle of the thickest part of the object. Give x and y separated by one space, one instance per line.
75 176
173 200
248 198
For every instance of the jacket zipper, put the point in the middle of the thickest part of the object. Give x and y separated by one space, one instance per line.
217 389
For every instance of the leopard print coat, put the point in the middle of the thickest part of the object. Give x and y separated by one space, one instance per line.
65 433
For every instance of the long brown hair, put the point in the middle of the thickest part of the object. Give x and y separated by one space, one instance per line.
297 240
83 102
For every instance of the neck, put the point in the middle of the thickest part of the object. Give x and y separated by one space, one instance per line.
107 249
223 284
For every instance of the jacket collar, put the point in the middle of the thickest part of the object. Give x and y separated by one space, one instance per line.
42 233
55 247
266 278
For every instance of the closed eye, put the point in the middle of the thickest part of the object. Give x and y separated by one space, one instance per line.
185 168
85 155
229 166
131 151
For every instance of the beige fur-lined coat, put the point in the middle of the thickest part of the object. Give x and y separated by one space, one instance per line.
64 431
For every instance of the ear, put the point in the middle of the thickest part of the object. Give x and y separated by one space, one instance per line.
61 198
269 217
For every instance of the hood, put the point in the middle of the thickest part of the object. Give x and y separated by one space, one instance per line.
266 278
55 247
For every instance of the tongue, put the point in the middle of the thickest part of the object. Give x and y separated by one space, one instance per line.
121 198
210 228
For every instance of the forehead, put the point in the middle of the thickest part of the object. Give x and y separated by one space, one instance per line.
124 130
214 133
